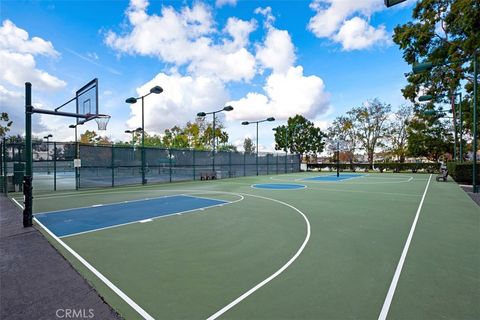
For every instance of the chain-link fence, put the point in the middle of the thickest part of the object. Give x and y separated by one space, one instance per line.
109 166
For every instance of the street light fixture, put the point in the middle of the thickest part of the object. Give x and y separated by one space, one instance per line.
204 114
246 123
48 150
133 133
132 100
390 3
426 66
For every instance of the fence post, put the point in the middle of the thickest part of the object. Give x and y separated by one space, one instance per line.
244 164
77 151
276 166
193 162
4 162
170 160
268 164
112 164
230 164
54 166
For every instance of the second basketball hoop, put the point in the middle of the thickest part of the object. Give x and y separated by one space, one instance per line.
102 121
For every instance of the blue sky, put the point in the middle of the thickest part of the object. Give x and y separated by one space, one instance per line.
278 58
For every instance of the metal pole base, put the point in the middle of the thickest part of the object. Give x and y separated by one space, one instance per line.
28 202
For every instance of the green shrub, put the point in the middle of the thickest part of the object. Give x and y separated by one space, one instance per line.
462 172
381 166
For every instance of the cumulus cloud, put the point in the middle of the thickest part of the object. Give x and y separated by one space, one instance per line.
182 98
347 22
356 34
17 58
221 3
287 91
285 95
187 37
277 52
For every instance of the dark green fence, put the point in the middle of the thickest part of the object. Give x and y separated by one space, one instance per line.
109 166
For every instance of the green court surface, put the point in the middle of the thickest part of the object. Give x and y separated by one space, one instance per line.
373 246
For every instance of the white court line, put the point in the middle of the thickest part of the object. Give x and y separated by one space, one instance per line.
253 186
398 271
97 273
350 183
154 218
107 204
276 273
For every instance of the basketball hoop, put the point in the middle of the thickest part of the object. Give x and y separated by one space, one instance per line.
102 121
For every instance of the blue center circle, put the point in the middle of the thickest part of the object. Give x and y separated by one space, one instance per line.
279 186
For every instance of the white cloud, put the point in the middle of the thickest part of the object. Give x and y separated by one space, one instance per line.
267 13
356 34
17 60
182 99
346 22
287 91
277 52
285 95
15 39
221 3
187 37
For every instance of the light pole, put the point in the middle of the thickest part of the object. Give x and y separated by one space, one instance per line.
48 150
204 114
422 67
133 134
460 115
246 123
132 100
74 126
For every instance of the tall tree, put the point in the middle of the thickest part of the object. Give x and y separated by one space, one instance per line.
88 136
370 125
428 136
344 130
299 135
398 131
442 31
4 124
248 146
175 138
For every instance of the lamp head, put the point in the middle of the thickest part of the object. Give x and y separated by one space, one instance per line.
201 114
389 3
421 67
245 123
425 98
128 131
271 119
9 123
228 108
156 90
131 100
72 126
